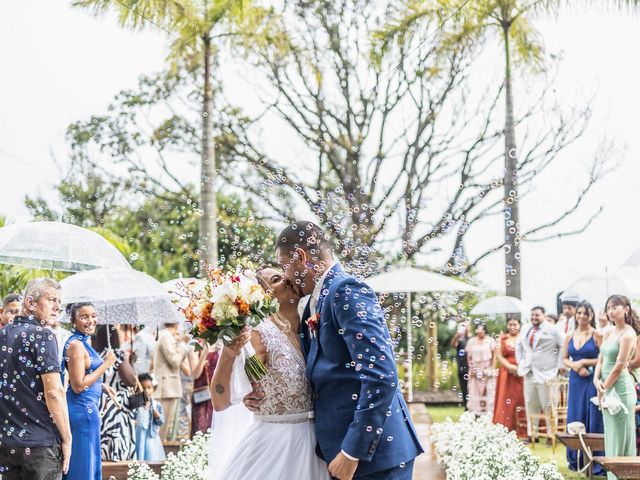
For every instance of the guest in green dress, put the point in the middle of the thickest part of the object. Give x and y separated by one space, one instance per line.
612 375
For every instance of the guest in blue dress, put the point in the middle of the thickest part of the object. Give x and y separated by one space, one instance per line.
149 417
581 350
85 369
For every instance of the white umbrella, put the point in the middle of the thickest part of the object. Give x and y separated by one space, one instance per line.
498 304
596 288
122 296
633 261
413 280
57 246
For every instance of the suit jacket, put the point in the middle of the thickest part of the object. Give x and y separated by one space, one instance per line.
542 361
167 359
352 371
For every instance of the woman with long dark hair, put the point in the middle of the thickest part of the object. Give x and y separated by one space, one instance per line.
580 357
509 403
459 342
85 369
117 430
613 380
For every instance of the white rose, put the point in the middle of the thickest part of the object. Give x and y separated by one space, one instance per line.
226 291
256 294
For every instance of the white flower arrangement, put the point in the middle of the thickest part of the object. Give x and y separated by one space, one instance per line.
476 449
141 471
190 463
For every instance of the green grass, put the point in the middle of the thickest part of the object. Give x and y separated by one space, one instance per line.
439 414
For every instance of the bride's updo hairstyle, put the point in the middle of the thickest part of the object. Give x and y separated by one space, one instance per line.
278 319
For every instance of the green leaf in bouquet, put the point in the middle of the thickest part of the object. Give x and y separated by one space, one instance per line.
227 334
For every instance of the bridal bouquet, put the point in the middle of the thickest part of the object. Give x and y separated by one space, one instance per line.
224 305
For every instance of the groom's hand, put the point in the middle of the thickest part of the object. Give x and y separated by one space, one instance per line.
255 399
342 468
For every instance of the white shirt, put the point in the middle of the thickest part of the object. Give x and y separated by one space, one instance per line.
315 295
566 327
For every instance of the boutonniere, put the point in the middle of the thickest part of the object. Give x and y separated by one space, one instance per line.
312 323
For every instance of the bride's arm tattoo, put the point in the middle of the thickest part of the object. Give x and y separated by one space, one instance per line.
219 389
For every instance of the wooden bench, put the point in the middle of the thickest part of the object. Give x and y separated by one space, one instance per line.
118 470
622 467
593 442
171 447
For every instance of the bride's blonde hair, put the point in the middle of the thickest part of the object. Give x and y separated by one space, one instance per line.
281 322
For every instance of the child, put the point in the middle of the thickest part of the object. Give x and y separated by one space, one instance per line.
149 417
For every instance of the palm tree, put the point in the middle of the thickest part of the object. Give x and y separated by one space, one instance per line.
194 26
522 47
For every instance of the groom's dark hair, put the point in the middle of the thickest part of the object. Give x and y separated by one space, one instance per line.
305 235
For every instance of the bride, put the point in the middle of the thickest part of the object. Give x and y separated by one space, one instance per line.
279 441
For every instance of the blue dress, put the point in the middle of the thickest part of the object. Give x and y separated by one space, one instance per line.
86 463
148 442
580 406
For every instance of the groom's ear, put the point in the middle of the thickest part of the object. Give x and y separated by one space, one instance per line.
301 255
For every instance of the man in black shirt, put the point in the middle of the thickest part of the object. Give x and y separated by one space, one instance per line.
35 438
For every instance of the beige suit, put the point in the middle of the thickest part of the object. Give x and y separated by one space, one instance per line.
167 358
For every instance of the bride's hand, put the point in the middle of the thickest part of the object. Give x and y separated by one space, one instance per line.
255 399
235 347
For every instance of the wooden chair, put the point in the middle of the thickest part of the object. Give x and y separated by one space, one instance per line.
558 396
558 392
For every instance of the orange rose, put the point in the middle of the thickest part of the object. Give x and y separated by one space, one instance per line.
243 306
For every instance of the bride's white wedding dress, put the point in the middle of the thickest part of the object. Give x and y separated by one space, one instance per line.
280 441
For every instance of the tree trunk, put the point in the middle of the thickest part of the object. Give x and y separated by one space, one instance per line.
511 211
208 229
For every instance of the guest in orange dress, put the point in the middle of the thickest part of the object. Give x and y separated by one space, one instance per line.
509 402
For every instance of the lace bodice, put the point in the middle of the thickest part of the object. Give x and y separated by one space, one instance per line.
285 385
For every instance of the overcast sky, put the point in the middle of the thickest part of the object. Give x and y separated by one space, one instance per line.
60 65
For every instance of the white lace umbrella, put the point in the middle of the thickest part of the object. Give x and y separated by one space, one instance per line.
57 246
413 280
122 296
497 305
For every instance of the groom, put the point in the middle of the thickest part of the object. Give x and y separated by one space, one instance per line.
363 427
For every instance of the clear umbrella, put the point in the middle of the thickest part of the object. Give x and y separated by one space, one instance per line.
122 296
497 305
597 288
412 280
57 246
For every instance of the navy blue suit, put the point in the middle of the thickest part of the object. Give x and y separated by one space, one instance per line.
352 370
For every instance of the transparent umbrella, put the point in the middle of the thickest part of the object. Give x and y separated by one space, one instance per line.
596 288
412 280
57 246
497 305
122 296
